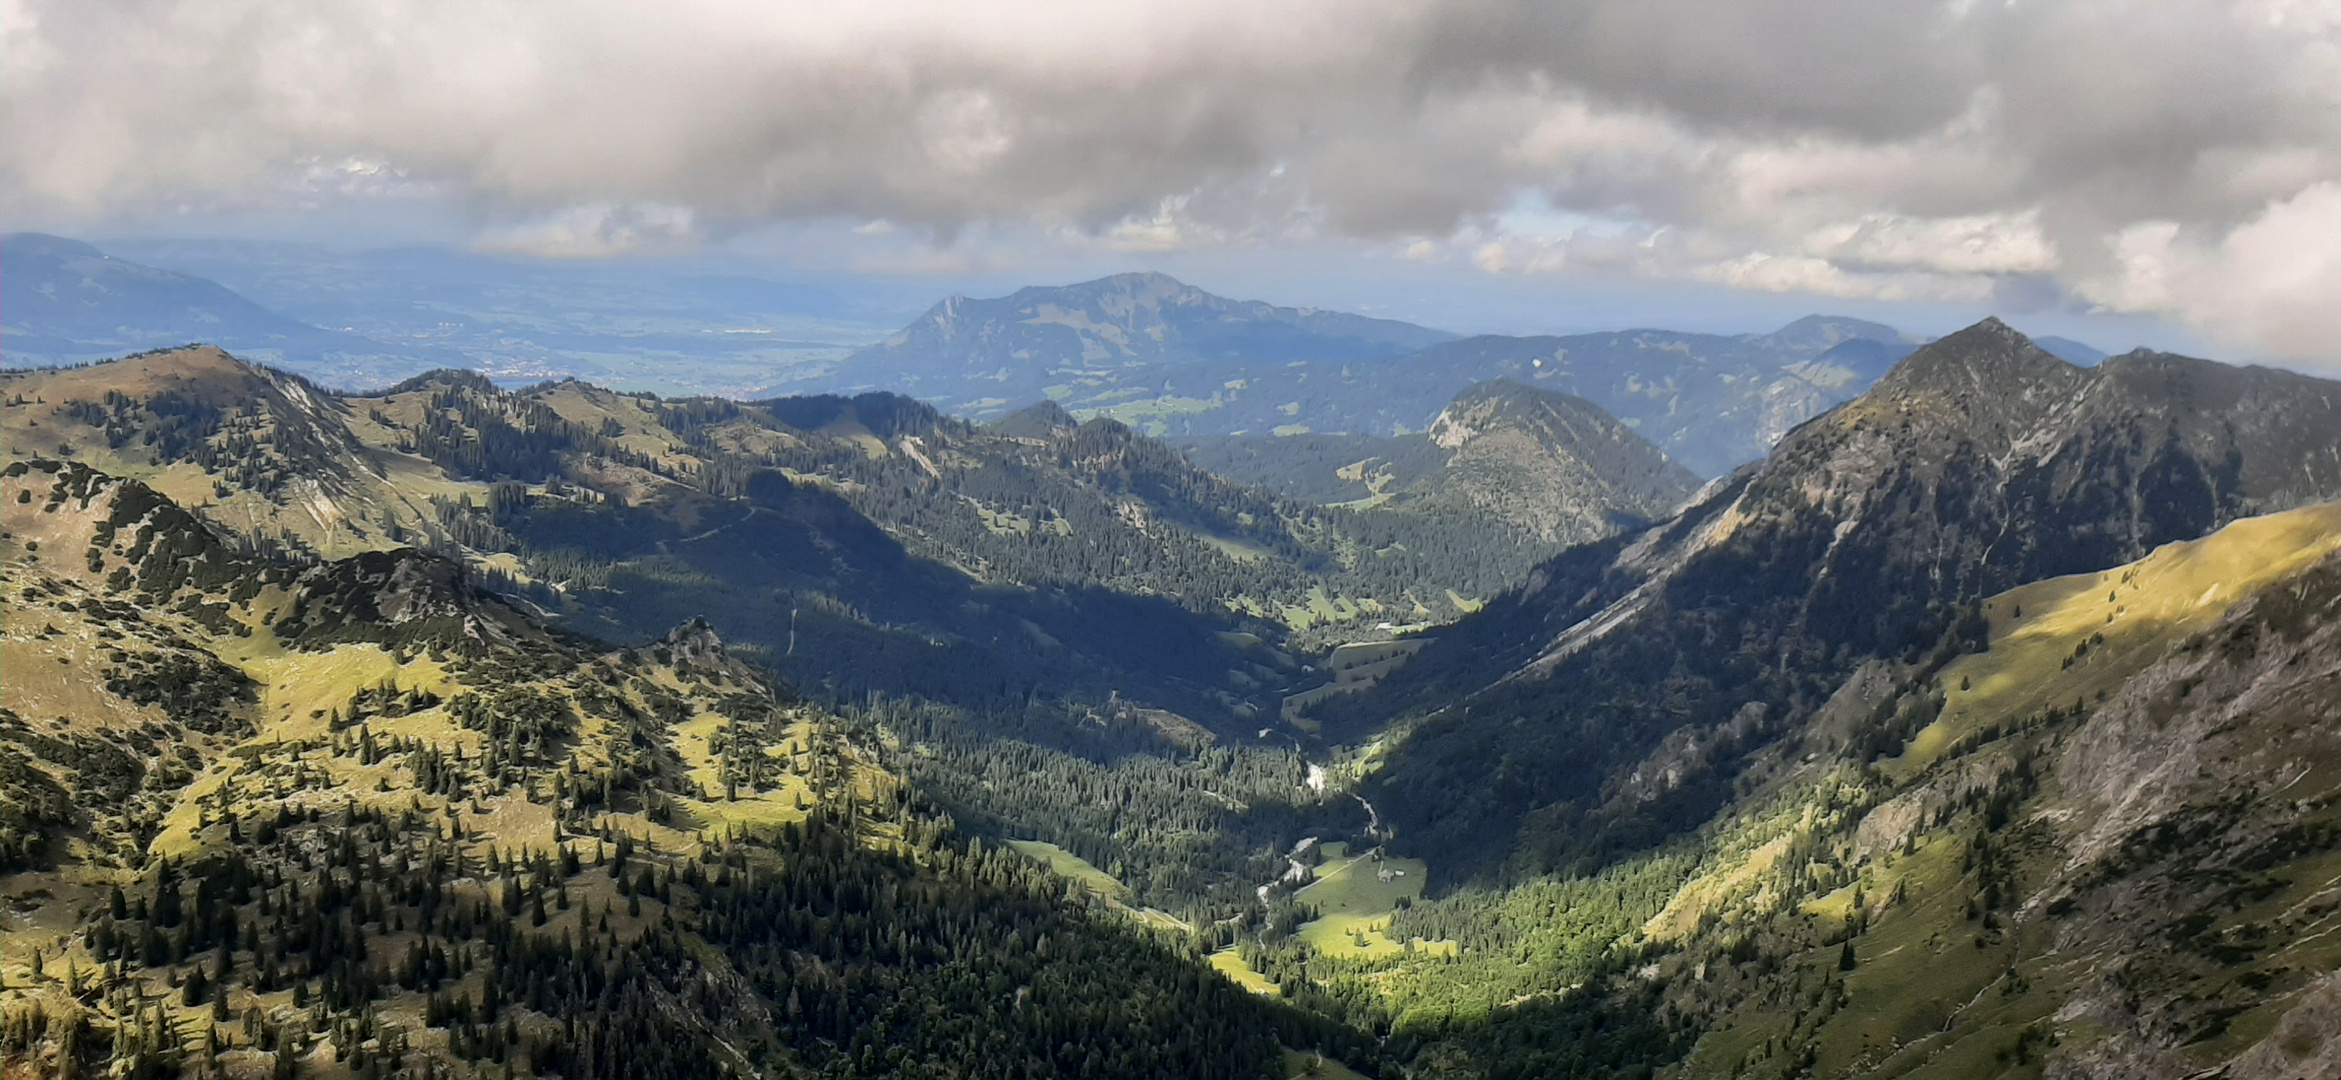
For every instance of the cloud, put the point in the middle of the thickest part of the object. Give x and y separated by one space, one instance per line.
1946 146
1911 261
598 230
2272 282
1977 244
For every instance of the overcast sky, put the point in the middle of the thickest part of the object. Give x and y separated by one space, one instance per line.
2175 162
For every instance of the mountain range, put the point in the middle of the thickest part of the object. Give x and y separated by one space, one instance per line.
1165 357
1174 360
848 538
66 301
1980 727
1979 464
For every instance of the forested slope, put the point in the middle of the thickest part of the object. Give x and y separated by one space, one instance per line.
276 818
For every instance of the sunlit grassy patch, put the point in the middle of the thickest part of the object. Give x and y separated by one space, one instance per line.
1065 864
2126 617
1105 886
1300 1066
1230 962
1354 896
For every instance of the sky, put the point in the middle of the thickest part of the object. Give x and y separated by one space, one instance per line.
2163 172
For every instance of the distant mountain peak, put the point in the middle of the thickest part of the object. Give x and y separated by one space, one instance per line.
1121 294
33 243
1819 333
1501 401
1151 279
66 301
1555 465
979 354
2071 351
1041 420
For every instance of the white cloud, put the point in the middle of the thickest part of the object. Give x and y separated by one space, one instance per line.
1169 228
1804 273
1984 244
2270 284
1842 146
598 230
1906 264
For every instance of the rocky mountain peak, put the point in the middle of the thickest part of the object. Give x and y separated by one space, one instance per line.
694 646
1989 357
1979 463
1987 380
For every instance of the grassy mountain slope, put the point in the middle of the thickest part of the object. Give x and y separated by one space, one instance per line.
2093 840
269 456
1080 638
2109 852
359 818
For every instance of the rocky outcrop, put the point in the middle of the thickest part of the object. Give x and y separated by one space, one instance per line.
2197 806
401 598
